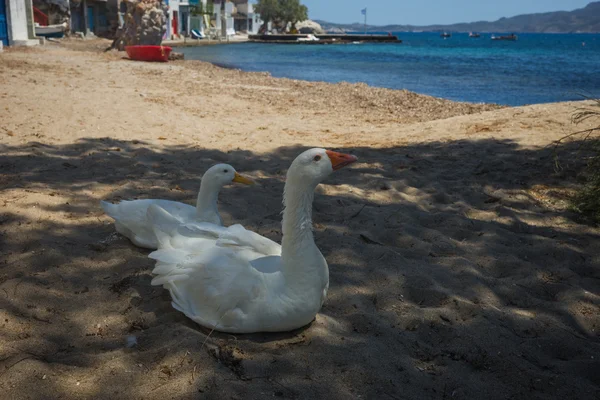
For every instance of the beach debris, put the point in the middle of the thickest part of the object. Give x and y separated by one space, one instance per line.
176 56
131 341
231 357
492 199
367 239
122 285
385 186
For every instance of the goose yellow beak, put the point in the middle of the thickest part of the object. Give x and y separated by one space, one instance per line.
340 160
242 179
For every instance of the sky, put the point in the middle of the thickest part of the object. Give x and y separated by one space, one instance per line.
429 12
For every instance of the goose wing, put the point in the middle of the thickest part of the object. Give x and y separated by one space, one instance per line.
131 218
217 287
195 236
218 277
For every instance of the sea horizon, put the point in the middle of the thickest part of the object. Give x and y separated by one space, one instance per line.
537 68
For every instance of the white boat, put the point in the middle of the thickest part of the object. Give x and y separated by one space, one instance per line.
511 37
51 31
309 38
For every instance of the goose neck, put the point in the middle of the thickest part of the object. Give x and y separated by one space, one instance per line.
297 221
207 199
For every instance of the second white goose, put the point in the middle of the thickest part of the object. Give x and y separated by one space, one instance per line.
131 219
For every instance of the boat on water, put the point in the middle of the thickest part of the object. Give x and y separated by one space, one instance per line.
511 37
445 35
51 31
474 35
309 38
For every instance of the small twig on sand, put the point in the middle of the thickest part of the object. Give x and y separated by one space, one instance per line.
41 319
16 286
358 212
183 358
194 371
15 363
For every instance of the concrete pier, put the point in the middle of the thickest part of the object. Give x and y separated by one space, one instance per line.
324 38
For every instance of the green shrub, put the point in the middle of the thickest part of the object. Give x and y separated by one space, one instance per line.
587 201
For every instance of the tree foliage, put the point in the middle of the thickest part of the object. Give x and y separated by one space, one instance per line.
200 9
281 11
268 10
292 11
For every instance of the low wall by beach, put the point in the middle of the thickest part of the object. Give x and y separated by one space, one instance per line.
326 37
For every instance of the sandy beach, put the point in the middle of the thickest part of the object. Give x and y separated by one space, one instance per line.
457 270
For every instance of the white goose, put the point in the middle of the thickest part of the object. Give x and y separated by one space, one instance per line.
131 219
242 282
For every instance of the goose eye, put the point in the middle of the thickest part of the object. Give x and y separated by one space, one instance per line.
317 158
226 170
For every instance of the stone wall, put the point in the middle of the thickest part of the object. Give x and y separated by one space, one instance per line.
145 22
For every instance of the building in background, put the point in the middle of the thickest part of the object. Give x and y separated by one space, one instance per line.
16 23
197 21
245 20
85 16
223 18
90 17
178 18
184 18
172 19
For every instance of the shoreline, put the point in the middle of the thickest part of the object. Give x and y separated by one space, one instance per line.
399 69
453 254
96 44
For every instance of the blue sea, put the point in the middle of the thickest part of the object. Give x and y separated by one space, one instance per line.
537 68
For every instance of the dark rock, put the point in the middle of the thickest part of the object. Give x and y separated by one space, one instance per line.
175 56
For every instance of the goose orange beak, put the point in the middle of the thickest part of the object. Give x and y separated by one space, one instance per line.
242 179
340 160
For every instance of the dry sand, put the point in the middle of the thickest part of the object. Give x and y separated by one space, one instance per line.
457 271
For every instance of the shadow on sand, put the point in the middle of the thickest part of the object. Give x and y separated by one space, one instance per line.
455 272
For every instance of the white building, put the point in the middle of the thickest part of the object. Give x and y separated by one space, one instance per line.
244 17
199 23
184 17
223 18
227 18
16 23
172 19
186 21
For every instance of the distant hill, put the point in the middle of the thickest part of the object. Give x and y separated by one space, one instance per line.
583 20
